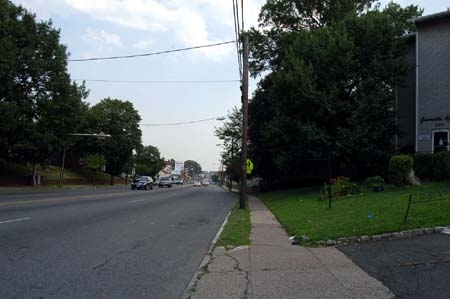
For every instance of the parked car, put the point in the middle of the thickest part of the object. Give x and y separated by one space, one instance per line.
143 182
205 182
197 184
165 182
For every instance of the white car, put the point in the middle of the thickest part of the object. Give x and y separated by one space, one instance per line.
197 184
205 182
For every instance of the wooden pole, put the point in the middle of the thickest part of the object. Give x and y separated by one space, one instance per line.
243 193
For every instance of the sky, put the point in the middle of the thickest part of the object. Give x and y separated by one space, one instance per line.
125 27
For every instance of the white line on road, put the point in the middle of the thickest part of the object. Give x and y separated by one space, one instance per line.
139 200
15 220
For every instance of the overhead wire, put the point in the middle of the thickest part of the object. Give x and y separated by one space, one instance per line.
156 81
181 123
150 54
236 33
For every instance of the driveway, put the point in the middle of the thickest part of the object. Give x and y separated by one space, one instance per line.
415 268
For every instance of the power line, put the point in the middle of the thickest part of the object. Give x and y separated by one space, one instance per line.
183 123
150 54
236 33
156 81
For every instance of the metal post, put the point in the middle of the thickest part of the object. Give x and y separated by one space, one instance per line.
407 209
330 178
243 195
61 173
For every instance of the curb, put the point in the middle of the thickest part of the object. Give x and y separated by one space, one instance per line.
205 260
402 235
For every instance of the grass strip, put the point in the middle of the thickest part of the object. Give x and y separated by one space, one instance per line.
237 230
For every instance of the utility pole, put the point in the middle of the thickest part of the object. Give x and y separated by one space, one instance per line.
244 89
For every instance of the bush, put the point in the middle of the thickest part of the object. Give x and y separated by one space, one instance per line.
441 165
423 166
340 186
399 169
375 181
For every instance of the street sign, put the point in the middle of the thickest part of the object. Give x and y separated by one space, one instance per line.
249 166
101 136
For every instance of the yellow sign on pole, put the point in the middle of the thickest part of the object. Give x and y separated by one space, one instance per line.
249 166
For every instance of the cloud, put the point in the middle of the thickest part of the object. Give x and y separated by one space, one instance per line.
187 23
101 37
45 12
142 44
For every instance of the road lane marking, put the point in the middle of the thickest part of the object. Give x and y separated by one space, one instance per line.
55 199
139 200
15 220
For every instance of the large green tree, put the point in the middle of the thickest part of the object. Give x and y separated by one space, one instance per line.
193 166
39 105
148 161
120 120
230 133
332 70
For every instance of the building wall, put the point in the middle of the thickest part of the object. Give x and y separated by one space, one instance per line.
433 81
406 102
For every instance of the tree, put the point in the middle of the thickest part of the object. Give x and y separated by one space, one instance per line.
333 70
38 102
94 163
194 167
230 133
148 161
121 120
215 178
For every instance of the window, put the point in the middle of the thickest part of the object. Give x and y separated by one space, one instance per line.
440 141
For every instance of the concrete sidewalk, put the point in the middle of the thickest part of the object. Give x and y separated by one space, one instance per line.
273 268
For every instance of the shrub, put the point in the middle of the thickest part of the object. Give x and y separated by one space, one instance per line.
423 166
375 181
340 186
441 165
399 169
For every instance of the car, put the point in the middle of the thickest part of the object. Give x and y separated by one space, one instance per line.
205 182
143 182
165 182
197 184
178 181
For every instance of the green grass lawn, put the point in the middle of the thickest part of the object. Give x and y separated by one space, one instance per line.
237 230
302 213
51 172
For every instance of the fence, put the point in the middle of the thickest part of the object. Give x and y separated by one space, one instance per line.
425 198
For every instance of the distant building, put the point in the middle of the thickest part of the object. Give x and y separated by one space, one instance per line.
423 98
166 171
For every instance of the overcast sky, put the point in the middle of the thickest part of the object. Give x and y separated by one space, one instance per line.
98 28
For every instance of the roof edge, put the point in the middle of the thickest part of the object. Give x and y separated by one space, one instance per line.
433 17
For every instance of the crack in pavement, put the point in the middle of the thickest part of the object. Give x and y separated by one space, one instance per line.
247 273
100 265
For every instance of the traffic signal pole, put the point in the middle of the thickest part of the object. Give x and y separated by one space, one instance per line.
243 191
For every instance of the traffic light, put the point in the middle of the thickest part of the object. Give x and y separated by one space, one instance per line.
101 136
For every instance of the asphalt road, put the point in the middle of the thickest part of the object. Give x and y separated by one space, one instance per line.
106 243
412 269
